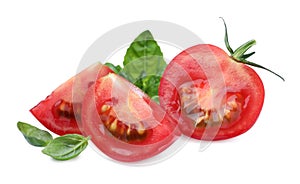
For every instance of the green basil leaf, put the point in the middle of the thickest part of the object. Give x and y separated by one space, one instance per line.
34 135
142 47
114 68
142 60
149 84
66 147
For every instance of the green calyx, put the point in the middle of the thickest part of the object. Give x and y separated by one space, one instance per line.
239 55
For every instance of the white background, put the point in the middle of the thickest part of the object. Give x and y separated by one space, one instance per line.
42 43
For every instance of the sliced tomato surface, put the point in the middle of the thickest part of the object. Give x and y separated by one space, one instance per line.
123 122
212 96
61 110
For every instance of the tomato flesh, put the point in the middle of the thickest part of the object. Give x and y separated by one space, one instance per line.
124 123
60 111
212 96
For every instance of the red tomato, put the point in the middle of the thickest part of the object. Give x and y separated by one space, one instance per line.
123 122
60 111
212 96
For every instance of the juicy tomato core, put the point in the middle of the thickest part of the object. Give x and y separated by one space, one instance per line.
125 131
206 106
64 109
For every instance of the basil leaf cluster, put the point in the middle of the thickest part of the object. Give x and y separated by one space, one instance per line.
61 148
143 64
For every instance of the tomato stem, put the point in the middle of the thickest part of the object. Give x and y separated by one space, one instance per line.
240 51
239 54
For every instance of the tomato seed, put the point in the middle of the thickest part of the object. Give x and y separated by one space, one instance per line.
105 108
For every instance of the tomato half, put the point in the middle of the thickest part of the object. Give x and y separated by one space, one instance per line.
212 96
123 122
61 110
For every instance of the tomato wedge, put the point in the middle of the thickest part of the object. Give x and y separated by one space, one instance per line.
123 122
61 110
212 95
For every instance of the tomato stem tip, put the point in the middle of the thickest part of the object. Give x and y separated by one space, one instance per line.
239 55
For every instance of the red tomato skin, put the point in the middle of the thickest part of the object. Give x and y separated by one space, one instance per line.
160 138
70 91
208 62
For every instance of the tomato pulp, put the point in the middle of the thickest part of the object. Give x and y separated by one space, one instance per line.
123 122
212 96
61 110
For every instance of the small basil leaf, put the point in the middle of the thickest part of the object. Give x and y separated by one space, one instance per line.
116 69
155 98
66 147
34 135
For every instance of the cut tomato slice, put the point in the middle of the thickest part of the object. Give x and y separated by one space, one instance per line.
123 122
60 111
211 95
